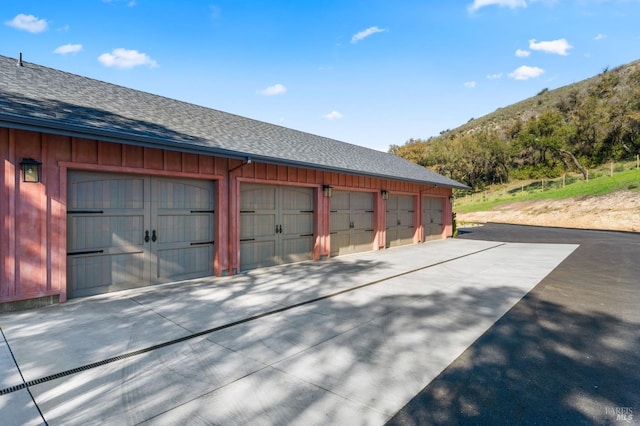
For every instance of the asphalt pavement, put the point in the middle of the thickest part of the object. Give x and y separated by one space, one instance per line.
567 354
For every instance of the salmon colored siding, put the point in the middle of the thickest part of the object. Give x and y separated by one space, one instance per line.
34 217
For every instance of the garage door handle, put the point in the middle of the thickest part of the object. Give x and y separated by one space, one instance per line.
146 236
154 237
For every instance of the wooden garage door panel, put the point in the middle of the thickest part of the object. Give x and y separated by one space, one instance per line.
256 254
400 220
300 199
363 220
182 218
351 222
340 244
276 225
257 197
340 200
361 241
432 218
340 221
100 274
182 227
170 194
89 232
255 225
185 262
297 224
102 191
361 201
108 217
297 249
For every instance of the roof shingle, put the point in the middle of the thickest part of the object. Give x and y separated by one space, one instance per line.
45 99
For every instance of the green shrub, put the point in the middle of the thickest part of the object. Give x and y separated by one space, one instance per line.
454 224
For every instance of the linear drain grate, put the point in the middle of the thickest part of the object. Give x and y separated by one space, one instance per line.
222 327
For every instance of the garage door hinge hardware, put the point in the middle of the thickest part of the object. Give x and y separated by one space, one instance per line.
334 211
203 211
368 211
78 253
242 240
85 212
247 211
306 211
306 235
203 243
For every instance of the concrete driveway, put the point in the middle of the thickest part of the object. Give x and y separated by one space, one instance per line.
350 340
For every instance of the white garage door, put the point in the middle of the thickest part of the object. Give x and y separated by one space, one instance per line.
400 226
432 218
126 231
276 225
351 222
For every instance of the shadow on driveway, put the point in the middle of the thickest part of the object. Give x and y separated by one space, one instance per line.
568 353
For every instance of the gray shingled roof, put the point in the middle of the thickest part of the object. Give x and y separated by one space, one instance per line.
39 98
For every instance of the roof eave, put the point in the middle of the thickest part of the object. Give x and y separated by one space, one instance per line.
86 132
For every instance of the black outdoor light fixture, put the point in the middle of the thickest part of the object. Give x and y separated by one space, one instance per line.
385 194
30 170
327 190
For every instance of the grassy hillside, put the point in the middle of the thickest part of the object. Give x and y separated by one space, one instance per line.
524 110
626 176
569 129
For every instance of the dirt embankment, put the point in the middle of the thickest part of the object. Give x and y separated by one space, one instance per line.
617 211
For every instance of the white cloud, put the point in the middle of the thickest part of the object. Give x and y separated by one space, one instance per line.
494 76
366 33
525 73
215 11
333 115
470 84
558 47
522 53
477 4
600 37
68 48
276 89
28 23
124 58
130 3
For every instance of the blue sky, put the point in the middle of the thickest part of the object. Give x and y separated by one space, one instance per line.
372 73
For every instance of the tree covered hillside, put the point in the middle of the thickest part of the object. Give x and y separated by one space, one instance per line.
567 129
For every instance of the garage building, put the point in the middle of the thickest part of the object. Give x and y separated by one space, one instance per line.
134 189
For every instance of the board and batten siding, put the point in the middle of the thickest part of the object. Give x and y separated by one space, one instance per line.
33 247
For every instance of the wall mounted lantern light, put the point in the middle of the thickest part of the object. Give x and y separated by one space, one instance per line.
451 198
327 190
30 170
385 194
